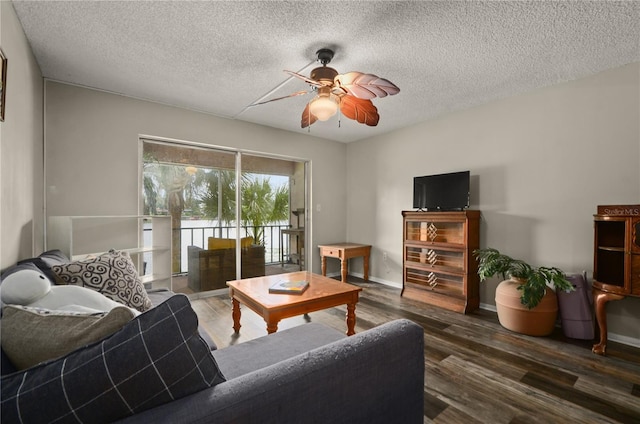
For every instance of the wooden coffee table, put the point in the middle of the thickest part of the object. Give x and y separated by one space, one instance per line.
323 293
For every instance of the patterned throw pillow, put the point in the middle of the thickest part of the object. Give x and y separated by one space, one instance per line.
113 274
154 359
34 335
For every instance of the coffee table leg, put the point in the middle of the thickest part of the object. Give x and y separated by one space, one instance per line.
272 327
236 315
324 265
351 319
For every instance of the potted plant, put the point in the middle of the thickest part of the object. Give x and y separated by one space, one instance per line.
524 301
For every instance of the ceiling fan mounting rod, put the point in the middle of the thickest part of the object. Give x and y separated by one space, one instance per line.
324 56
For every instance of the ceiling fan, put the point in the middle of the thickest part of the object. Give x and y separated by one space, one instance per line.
351 92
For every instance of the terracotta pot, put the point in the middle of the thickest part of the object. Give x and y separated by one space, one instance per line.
514 316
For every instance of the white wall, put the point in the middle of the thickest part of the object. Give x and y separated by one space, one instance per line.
92 154
540 164
21 173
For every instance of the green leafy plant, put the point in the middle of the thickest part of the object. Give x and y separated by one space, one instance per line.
263 203
491 262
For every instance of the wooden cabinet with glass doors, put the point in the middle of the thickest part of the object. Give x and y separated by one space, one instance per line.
616 262
438 262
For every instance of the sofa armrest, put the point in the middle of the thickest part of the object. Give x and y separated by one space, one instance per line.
376 376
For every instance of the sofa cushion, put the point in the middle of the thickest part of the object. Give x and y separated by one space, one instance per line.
154 359
6 367
255 354
33 335
112 274
160 295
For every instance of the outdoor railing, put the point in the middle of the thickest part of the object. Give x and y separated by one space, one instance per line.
275 247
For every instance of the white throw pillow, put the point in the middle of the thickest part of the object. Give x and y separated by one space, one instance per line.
24 287
31 288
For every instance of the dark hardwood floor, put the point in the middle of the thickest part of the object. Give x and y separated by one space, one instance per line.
477 371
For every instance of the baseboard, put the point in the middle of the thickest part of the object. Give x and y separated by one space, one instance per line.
618 338
488 307
210 293
629 341
376 280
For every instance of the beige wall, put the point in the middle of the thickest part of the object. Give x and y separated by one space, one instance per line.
21 222
540 164
92 154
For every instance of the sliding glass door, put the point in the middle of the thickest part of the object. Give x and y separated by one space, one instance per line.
220 199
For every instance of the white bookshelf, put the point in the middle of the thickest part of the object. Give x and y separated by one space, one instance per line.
150 250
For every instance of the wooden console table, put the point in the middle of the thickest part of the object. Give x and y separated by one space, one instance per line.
616 262
344 252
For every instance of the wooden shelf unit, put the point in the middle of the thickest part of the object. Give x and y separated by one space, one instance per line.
616 260
438 263
79 236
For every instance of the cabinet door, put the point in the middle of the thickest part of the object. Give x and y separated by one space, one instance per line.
434 280
451 260
435 232
611 260
634 241
635 274
635 235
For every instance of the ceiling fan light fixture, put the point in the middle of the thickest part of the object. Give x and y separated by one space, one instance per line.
324 106
351 93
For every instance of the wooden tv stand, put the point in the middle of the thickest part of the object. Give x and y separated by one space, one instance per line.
438 263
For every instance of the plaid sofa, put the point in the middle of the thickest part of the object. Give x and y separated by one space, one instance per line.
160 368
311 374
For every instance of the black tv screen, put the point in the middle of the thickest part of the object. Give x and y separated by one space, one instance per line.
442 192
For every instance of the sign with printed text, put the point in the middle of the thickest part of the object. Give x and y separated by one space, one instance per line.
619 210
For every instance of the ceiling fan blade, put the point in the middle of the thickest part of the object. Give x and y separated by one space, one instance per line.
297 93
308 118
305 79
361 110
365 86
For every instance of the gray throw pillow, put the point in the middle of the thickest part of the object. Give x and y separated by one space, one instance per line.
155 358
33 335
113 274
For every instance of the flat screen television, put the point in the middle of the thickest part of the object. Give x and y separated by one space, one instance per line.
442 192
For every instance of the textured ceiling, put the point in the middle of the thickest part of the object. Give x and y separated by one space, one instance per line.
219 57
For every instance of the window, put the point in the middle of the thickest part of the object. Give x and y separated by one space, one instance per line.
197 186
